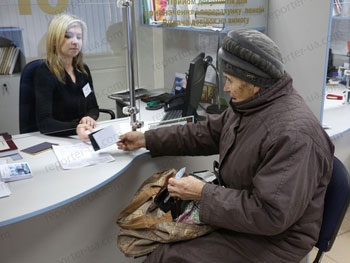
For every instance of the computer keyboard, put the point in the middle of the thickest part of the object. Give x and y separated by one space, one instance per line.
173 114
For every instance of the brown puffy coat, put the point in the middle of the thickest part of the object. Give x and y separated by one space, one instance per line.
275 160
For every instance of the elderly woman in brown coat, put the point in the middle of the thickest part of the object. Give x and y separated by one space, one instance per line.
275 161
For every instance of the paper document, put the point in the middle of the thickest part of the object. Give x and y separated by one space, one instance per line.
4 190
79 155
3 144
104 137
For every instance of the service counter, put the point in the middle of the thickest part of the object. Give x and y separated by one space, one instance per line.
69 215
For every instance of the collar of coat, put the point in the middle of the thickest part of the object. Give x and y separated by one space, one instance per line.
265 97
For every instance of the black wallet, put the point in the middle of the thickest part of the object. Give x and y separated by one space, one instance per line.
165 202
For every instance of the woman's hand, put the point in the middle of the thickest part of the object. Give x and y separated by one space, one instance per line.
131 141
186 188
88 121
86 125
83 131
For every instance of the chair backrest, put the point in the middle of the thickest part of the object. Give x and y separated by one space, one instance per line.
335 207
27 118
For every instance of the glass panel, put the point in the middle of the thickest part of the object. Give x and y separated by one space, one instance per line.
33 19
337 91
24 23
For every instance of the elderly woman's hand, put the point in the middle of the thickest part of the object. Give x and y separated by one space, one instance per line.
131 141
186 188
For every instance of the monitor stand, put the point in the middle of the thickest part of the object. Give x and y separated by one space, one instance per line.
214 109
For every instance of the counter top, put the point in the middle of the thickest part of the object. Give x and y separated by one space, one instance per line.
52 186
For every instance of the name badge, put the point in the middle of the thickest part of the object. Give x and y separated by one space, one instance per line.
87 90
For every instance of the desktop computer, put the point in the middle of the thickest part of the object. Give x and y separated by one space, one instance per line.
186 104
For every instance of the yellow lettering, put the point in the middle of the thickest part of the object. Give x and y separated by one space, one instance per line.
24 7
254 10
242 20
61 6
181 2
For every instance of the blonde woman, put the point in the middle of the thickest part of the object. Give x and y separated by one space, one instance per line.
64 94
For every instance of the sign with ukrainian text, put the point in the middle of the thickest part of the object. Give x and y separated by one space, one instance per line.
207 14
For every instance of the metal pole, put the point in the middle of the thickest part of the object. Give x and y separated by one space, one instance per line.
131 109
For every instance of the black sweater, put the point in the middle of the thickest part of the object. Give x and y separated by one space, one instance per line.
59 107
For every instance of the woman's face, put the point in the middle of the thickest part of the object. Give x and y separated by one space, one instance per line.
239 90
72 43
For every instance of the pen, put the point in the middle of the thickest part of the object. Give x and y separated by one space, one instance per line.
178 175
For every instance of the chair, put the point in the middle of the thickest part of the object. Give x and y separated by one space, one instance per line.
335 207
27 116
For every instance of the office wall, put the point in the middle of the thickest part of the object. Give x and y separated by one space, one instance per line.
301 33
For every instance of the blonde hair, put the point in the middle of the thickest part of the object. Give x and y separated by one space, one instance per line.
54 39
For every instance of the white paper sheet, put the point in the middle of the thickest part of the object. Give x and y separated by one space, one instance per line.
3 144
4 190
106 136
79 155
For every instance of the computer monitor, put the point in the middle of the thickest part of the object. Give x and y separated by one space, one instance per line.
194 87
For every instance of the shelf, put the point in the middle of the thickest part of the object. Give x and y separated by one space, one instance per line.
215 16
199 29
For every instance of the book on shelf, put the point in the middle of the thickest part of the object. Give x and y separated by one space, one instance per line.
2 53
15 171
14 60
7 145
3 59
8 59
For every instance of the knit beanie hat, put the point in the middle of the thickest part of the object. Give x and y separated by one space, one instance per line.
251 56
